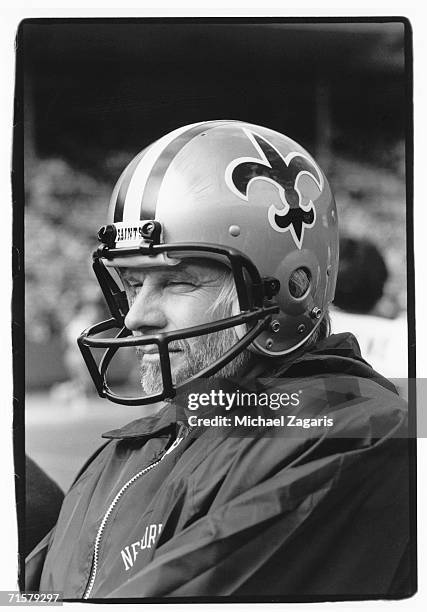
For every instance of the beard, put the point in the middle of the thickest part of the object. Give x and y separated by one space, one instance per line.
194 357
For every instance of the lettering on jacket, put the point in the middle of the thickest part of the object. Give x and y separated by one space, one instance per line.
130 552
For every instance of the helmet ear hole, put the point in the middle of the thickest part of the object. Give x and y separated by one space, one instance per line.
299 282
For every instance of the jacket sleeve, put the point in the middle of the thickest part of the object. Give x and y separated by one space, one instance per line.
335 523
35 561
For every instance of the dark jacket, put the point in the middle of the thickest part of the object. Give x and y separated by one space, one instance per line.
256 511
43 500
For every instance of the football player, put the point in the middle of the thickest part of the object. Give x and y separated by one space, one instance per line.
218 263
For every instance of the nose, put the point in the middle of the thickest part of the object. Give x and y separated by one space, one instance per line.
146 314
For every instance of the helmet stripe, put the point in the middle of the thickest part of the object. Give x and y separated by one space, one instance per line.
124 185
163 161
133 209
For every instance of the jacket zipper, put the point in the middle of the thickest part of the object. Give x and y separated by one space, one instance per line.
110 510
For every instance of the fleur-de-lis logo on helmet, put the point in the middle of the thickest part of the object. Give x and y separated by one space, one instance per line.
286 173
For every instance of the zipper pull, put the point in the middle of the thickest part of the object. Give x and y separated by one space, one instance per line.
173 446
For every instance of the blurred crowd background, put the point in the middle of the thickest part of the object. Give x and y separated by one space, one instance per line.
97 93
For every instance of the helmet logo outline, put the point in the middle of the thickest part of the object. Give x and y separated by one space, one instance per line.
298 212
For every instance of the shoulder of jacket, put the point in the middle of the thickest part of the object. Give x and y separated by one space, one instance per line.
93 462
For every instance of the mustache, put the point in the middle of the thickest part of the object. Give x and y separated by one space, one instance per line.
176 345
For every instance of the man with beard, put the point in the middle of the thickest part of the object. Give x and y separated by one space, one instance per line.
218 264
176 297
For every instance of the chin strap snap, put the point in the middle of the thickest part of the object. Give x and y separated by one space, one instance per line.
271 286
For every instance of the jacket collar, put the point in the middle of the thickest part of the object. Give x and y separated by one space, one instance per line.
161 423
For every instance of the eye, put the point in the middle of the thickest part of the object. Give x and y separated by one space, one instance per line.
182 284
133 285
